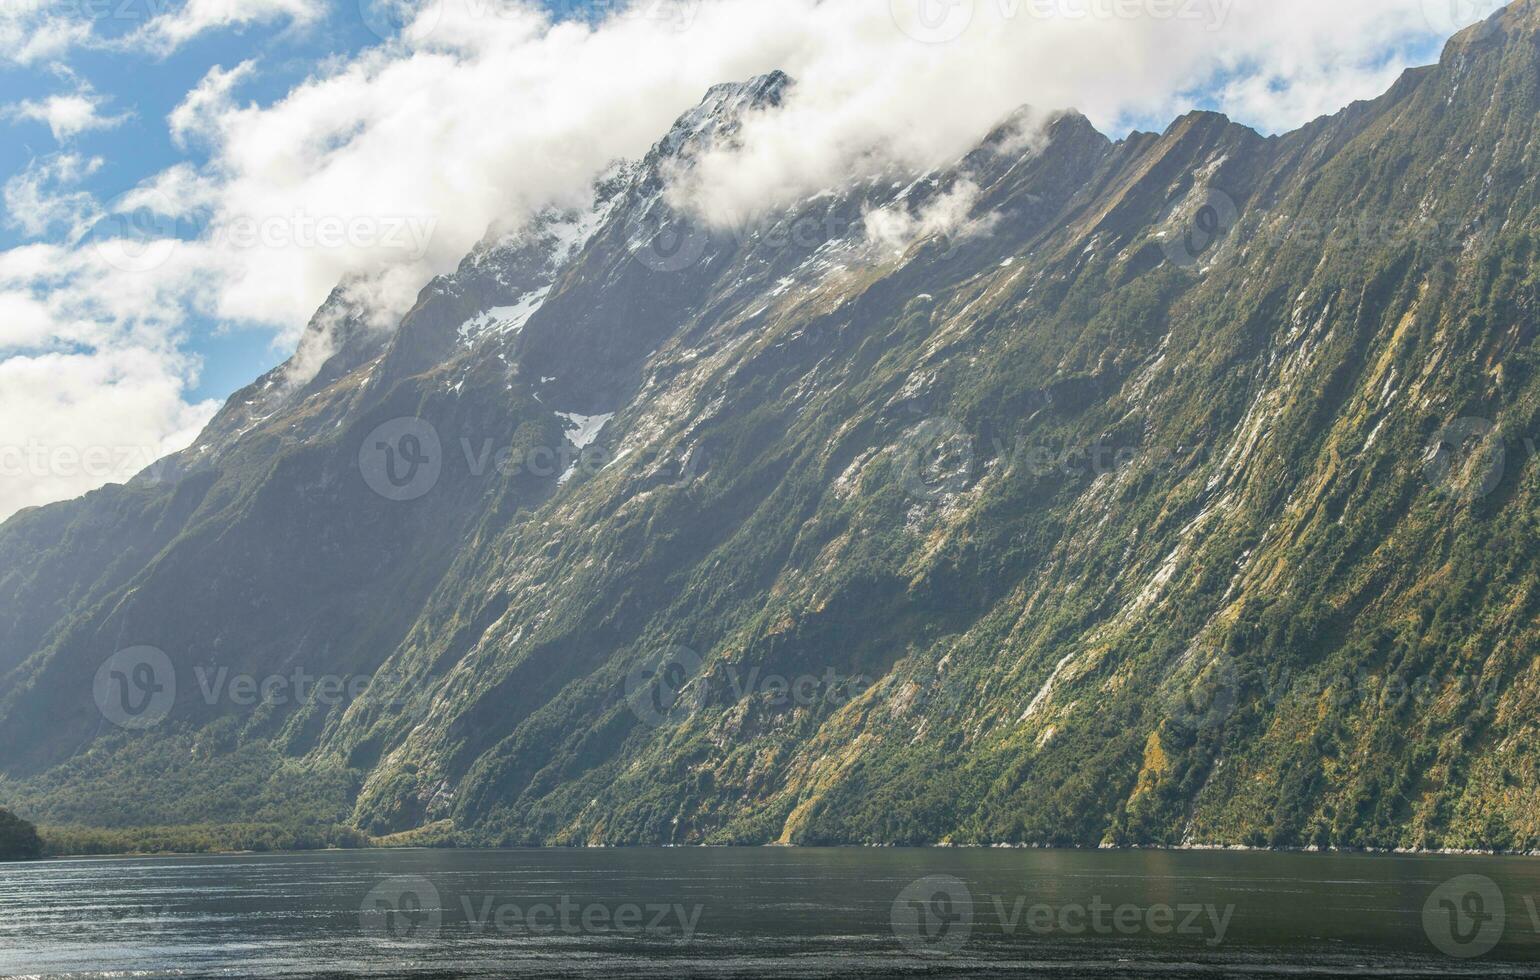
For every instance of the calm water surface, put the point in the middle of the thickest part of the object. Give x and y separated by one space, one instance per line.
771 913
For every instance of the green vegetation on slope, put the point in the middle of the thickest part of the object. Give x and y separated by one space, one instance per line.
19 840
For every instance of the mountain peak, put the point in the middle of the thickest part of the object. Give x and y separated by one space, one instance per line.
723 109
765 89
1520 17
1209 122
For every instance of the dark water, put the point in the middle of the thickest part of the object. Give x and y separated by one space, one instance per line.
771 913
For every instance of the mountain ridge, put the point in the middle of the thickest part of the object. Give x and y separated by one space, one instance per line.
871 462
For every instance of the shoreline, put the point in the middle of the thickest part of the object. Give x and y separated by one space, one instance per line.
1185 848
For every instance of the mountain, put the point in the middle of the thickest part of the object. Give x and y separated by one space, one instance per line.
1172 490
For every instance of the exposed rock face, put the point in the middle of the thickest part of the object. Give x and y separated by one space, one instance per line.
1176 489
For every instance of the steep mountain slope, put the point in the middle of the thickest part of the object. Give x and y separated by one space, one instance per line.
1170 490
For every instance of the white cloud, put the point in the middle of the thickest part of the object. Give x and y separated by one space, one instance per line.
101 297
92 385
67 115
24 322
176 192
199 113
45 197
482 111
895 228
876 90
71 422
491 116
168 31
37 31
31 32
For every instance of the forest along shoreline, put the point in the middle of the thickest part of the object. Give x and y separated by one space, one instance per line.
210 839
19 839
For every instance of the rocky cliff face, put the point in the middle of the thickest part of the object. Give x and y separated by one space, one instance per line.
1175 490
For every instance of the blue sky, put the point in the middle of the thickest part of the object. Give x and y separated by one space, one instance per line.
486 110
146 87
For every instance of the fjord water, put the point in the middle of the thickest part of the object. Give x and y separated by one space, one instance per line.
769 913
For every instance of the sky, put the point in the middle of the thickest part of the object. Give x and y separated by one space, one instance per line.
183 182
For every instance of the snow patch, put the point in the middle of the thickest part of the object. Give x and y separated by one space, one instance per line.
504 319
588 427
